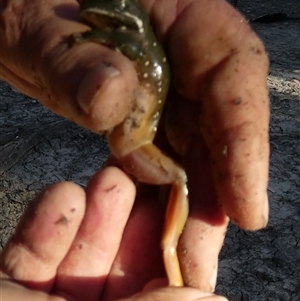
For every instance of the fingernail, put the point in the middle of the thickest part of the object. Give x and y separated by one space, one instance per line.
92 83
211 297
213 278
266 209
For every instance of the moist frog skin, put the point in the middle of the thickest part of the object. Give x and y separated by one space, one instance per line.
124 26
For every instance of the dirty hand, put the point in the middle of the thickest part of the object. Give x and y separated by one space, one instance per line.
71 245
218 114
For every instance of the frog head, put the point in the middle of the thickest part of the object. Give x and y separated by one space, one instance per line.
114 14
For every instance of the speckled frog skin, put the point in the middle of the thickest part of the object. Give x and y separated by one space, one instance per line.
124 26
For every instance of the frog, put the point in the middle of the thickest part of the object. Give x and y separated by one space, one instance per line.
124 26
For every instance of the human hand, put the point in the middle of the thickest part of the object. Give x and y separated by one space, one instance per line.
218 113
73 245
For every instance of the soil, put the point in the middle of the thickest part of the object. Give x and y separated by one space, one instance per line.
38 148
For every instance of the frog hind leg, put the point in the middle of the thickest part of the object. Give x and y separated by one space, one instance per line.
175 220
126 42
152 166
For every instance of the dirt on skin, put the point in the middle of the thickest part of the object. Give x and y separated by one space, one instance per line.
38 148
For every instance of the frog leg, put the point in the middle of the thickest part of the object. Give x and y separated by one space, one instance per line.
127 42
151 166
176 216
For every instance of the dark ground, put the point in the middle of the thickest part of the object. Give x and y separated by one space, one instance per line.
38 148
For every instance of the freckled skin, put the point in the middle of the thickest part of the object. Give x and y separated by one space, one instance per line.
124 26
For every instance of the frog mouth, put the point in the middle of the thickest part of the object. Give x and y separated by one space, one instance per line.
103 18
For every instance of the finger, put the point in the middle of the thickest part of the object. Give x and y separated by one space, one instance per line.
43 236
229 80
82 274
203 236
139 258
175 294
12 292
80 82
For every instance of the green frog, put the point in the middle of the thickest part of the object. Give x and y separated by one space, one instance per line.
124 26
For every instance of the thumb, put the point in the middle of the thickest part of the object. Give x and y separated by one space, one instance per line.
175 294
82 82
